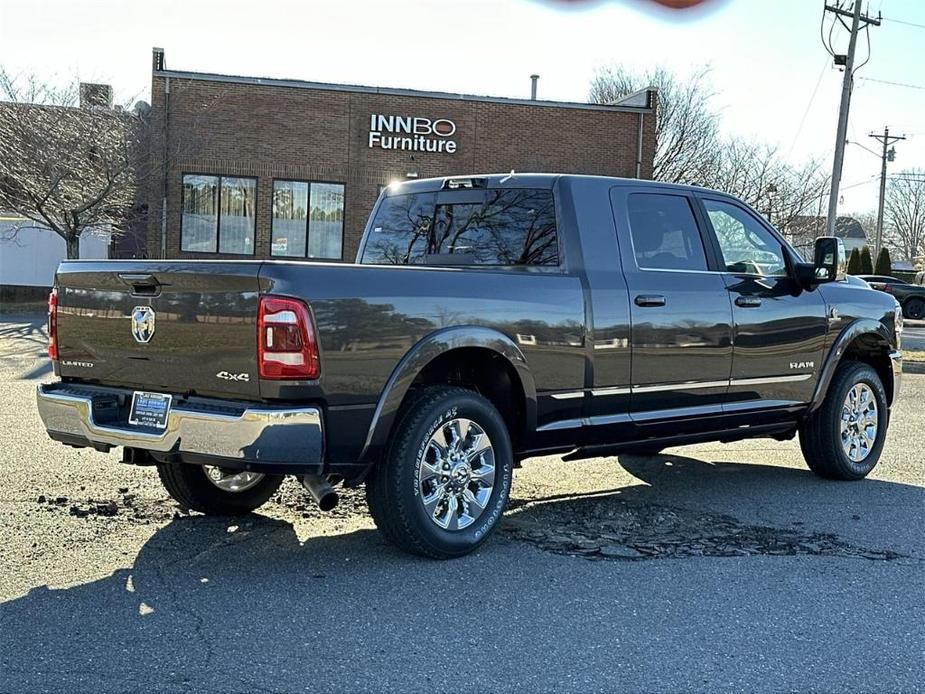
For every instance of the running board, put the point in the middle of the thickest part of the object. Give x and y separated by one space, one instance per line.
780 431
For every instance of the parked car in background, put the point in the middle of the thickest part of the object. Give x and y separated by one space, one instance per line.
910 296
857 281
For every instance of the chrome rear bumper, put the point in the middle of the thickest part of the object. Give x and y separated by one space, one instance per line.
255 435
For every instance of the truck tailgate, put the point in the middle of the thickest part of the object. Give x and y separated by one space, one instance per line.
194 329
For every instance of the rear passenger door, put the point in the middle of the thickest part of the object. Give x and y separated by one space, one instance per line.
681 321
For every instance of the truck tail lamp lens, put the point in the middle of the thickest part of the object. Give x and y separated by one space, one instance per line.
53 324
286 345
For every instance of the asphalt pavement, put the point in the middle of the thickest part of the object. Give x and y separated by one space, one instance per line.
745 572
914 336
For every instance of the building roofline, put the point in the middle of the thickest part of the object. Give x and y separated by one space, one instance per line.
392 91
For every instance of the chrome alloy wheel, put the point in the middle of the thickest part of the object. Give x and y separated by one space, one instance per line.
456 474
859 422
231 481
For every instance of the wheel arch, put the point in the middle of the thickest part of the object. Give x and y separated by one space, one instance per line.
435 355
864 340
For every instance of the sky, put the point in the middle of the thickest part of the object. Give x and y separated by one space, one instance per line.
773 80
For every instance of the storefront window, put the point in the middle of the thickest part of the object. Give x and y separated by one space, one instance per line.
308 220
236 221
326 224
218 214
199 223
290 212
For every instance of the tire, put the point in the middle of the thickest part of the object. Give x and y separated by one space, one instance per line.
399 485
914 309
192 489
821 436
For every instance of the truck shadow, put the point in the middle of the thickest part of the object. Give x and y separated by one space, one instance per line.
206 595
687 507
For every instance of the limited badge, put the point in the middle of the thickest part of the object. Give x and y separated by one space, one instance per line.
143 323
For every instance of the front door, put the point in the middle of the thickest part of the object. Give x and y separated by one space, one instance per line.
681 321
779 327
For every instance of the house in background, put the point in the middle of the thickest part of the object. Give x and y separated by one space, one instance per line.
803 230
29 257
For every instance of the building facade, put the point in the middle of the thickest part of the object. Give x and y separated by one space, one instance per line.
270 168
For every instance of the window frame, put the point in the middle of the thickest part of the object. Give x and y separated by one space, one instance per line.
709 249
308 217
786 250
218 212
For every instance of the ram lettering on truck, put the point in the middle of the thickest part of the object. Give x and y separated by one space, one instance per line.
486 319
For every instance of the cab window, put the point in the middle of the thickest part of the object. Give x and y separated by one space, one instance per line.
665 234
498 227
747 247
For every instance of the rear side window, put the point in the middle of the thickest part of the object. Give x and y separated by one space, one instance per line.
509 227
665 234
402 231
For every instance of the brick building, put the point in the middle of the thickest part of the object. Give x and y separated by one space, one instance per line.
283 168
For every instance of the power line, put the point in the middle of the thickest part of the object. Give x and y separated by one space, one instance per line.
895 84
808 106
903 22
861 183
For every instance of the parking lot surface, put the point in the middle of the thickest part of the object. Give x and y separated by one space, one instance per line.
709 568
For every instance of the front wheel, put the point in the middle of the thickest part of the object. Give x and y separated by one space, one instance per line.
443 485
216 491
914 309
843 439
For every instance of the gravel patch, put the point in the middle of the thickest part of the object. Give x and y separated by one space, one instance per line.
612 529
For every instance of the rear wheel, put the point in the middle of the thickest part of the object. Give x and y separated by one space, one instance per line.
843 439
914 309
443 485
217 491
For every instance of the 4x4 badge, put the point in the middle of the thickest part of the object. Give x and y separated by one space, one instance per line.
143 323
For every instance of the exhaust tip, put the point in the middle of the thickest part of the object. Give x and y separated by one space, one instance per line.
328 501
320 491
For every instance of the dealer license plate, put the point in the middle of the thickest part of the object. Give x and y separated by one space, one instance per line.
149 409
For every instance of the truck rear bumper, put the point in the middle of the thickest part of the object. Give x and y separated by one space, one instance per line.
231 434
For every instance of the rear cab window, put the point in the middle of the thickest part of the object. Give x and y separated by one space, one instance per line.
510 227
665 233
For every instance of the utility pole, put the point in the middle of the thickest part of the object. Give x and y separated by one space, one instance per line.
888 154
847 83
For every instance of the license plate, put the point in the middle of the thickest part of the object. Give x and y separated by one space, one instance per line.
149 409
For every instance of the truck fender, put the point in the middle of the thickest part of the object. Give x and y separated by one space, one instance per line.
854 330
420 355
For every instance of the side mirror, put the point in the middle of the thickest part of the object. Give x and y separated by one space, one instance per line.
829 263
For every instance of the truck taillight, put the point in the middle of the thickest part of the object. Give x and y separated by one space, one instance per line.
53 324
286 346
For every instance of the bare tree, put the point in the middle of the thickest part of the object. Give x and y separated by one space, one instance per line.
690 149
686 128
757 174
69 169
904 213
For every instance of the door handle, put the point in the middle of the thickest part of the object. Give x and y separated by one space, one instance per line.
748 301
645 300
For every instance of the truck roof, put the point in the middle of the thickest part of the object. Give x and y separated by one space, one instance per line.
521 180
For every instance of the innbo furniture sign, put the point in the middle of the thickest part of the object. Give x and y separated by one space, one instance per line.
412 133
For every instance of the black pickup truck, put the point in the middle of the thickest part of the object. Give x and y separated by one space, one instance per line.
487 319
